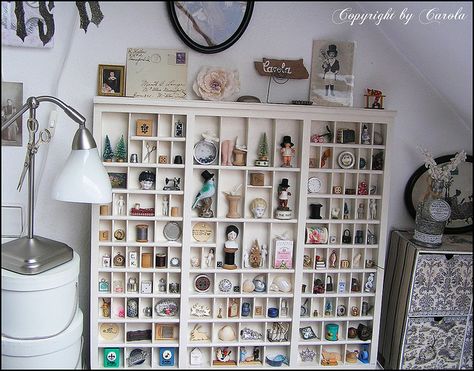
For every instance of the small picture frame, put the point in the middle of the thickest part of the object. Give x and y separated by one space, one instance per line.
118 180
144 127
307 333
164 331
111 80
259 310
147 287
179 129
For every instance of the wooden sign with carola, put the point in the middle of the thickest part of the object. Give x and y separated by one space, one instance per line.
290 69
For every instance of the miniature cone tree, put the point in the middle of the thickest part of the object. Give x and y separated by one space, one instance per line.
121 151
263 148
108 153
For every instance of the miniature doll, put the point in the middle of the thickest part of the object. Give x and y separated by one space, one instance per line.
287 151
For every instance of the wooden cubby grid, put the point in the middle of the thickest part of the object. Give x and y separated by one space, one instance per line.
243 123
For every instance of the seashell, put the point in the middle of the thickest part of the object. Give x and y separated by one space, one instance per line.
248 286
259 283
227 333
280 283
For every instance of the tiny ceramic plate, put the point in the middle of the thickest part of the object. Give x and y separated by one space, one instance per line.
172 231
202 232
225 285
202 283
174 262
109 331
205 152
314 185
346 160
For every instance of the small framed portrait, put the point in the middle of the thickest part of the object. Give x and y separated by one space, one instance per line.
111 80
118 180
12 100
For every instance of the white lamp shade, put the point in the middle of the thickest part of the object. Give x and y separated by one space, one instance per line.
83 179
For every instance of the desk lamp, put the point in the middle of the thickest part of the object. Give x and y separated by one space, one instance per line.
83 179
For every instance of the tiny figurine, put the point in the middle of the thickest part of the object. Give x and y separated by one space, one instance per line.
326 154
230 247
120 150
361 211
354 311
223 357
365 136
362 189
146 179
369 285
374 96
149 150
121 205
255 257
364 354
356 260
346 236
366 308
263 251
245 260
318 286
287 151
328 308
262 151
335 212
203 199
315 212
346 210
359 236
283 211
210 258
333 259
227 149
233 198
172 184
195 262
105 308
371 238
108 154
373 208
165 205
307 263
258 207
355 286
322 138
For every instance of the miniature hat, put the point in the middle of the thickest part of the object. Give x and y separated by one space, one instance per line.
284 183
147 176
286 139
332 48
206 175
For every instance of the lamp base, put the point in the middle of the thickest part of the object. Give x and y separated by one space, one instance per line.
34 255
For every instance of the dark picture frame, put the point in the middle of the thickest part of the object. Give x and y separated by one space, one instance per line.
196 23
111 80
118 180
12 100
459 195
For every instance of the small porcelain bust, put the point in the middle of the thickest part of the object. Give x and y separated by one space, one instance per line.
258 207
146 179
231 232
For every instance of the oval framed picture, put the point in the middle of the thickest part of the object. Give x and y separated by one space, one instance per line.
210 26
346 160
458 194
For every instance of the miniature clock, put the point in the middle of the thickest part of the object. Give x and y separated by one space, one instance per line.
205 152
119 260
346 160
174 262
314 185
202 283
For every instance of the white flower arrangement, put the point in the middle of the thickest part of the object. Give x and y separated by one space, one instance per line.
216 83
441 172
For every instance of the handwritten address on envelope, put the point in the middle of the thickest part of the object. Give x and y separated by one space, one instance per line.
156 73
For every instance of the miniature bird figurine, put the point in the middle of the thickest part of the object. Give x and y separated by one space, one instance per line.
208 190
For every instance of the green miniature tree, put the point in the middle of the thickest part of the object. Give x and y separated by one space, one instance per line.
108 154
263 148
121 151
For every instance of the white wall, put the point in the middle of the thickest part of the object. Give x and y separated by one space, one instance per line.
277 30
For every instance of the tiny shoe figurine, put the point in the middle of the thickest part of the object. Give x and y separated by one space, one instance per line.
365 136
283 211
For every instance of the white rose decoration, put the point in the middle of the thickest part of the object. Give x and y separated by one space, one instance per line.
215 83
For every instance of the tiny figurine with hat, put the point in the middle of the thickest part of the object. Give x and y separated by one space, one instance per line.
283 211
146 179
203 199
287 151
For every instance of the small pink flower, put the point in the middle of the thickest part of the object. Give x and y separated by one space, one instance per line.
214 83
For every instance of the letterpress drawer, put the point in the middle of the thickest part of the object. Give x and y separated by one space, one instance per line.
432 343
442 285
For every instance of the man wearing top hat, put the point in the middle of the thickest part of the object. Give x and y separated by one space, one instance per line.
287 151
330 68
283 195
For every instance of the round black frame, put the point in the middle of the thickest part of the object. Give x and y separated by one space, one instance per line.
210 49
411 185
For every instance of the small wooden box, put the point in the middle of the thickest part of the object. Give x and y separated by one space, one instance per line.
147 260
162 159
103 235
257 179
144 127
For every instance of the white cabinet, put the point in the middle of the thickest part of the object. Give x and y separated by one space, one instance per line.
184 292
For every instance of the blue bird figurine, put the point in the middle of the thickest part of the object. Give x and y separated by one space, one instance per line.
208 190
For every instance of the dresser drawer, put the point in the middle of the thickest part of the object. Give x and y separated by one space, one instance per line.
433 344
466 359
442 285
